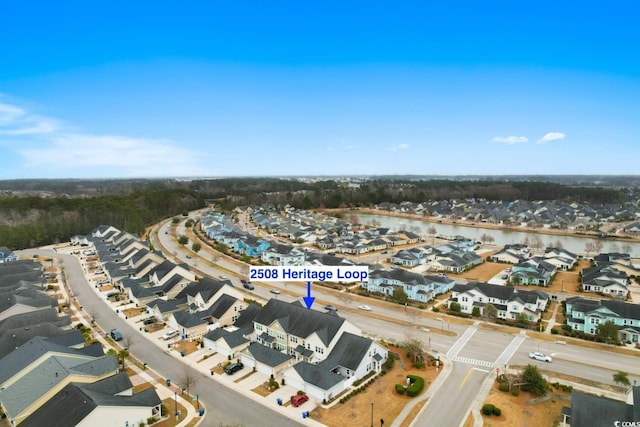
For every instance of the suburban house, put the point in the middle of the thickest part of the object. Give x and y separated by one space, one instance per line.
187 324
202 294
224 312
586 314
605 280
352 358
561 258
293 329
591 410
7 255
38 369
511 254
456 261
107 402
633 228
21 328
533 271
231 340
414 256
416 286
283 255
509 301
266 360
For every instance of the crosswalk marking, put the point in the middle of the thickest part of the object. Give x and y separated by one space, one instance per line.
470 361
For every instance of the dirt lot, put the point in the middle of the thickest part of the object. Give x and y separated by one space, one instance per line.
568 281
387 403
482 272
516 411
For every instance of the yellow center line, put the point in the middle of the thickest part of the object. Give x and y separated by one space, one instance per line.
466 377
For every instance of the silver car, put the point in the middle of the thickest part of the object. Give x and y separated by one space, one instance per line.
540 356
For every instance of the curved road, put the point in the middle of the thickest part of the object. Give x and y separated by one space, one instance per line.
224 405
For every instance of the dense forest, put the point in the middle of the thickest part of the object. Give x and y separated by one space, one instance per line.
39 212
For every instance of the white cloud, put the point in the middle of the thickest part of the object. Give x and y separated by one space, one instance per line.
120 154
510 139
43 144
399 147
16 121
551 136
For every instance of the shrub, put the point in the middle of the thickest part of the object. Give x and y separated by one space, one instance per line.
515 391
399 388
418 364
436 309
554 331
496 411
487 408
503 387
417 383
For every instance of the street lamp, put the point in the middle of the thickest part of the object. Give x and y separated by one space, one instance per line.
175 399
371 414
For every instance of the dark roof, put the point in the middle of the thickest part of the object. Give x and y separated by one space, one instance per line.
317 375
68 338
187 320
206 285
348 352
300 321
220 307
76 401
266 355
588 410
247 315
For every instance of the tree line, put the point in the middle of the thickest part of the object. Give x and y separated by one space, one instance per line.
76 207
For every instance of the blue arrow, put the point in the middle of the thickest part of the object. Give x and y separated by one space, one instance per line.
308 300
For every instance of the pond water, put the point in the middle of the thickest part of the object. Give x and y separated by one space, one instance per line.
501 237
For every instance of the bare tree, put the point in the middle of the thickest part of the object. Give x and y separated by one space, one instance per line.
536 242
626 248
413 313
93 314
414 348
589 247
486 238
615 248
558 244
345 297
188 378
431 231
598 244
490 311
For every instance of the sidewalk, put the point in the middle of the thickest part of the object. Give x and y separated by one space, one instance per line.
433 388
148 375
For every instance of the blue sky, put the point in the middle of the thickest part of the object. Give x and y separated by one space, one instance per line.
155 89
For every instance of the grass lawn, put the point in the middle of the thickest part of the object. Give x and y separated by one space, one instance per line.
517 412
387 403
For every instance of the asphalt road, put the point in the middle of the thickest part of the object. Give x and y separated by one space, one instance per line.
224 405
451 403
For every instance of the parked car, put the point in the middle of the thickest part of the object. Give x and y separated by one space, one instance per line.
364 307
274 291
248 286
384 252
299 399
540 356
188 256
505 276
170 334
115 335
149 320
233 368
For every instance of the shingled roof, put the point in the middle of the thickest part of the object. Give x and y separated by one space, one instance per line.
299 321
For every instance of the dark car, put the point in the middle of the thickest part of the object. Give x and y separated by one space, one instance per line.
233 368
330 308
299 399
115 335
149 320
248 286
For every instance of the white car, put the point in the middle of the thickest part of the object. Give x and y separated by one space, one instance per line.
364 307
274 291
540 356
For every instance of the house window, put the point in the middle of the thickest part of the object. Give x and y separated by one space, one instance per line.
280 336
258 327
294 340
234 319
319 350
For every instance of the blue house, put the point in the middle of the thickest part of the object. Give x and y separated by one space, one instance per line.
251 246
6 255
